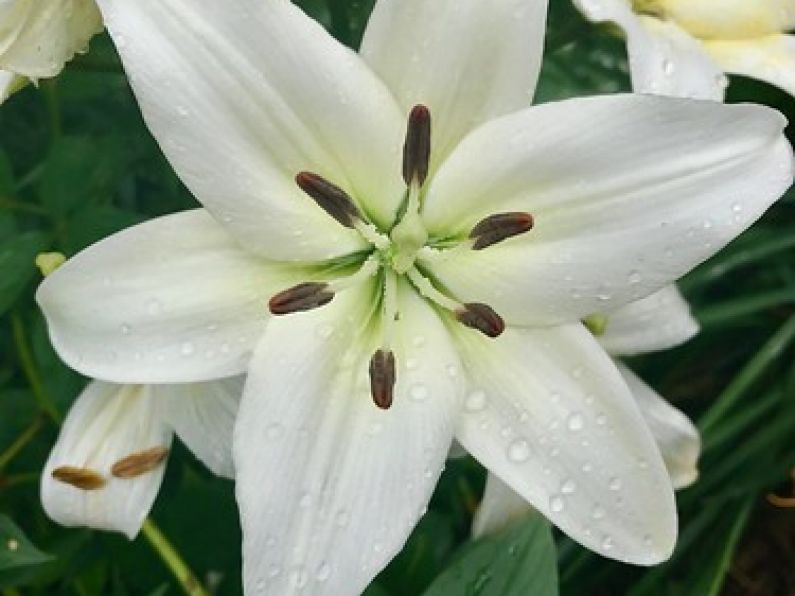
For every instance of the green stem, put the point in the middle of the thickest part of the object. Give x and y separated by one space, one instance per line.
725 312
166 551
19 444
14 205
749 375
50 88
17 479
29 368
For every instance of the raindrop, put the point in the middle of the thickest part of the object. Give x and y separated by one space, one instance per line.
601 419
576 372
635 277
419 341
568 487
412 364
598 512
519 451
154 306
125 329
274 570
323 572
452 371
607 542
418 392
556 504
575 422
306 501
187 349
614 483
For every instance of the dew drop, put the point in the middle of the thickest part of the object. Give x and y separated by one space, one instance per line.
306 501
519 451
635 277
419 341
126 329
607 542
187 349
418 392
601 419
576 372
575 422
598 512
556 504
154 306
614 483
323 572
568 487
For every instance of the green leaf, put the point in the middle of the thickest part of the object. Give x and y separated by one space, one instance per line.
15 548
17 266
516 562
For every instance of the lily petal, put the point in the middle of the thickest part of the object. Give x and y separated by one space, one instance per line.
658 322
501 506
170 300
37 38
106 424
10 83
203 416
730 19
469 61
676 436
550 415
329 486
243 100
664 59
648 188
770 59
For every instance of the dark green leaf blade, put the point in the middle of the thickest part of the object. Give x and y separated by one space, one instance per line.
15 548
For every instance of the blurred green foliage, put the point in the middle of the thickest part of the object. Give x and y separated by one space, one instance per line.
77 164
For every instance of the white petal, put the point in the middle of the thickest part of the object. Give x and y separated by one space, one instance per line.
203 416
37 38
170 300
242 100
329 486
770 59
106 424
657 322
676 436
501 506
550 415
468 60
731 19
10 83
664 59
629 192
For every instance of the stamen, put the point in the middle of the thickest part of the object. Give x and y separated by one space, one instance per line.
139 463
497 228
382 378
366 271
417 148
329 197
305 296
427 290
481 317
596 324
82 478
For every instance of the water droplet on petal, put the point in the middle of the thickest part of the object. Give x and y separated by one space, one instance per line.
556 504
614 483
568 487
575 422
519 451
475 401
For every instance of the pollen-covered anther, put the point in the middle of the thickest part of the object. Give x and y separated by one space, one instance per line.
139 463
481 317
417 148
382 378
305 296
499 227
82 478
329 197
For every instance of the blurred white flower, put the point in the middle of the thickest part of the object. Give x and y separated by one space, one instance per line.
37 37
107 465
435 310
683 48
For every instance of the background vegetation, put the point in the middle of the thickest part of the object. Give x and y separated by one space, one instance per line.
77 163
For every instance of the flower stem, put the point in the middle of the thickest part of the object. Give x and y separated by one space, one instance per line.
166 551
21 441
29 368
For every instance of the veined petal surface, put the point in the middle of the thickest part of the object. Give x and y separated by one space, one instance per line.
677 437
660 321
628 193
242 98
203 416
106 424
174 299
38 36
549 414
729 19
330 486
468 60
770 58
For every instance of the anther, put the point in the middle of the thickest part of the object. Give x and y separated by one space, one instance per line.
329 197
382 378
417 149
497 228
305 296
139 463
82 478
481 317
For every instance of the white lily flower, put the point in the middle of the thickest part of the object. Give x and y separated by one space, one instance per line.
627 193
37 37
107 465
683 48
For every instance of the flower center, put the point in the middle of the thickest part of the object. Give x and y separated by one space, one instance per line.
394 253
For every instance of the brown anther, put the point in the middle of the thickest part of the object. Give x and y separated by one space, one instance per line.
497 228
417 148
329 197
82 478
139 463
382 378
305 296
481 317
